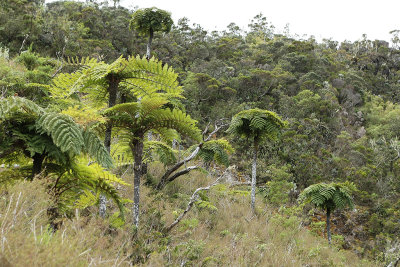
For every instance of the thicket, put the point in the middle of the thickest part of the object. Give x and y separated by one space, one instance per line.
65 63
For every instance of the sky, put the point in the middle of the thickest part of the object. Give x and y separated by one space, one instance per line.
337 19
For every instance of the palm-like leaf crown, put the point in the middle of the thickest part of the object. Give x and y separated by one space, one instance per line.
332 196
152 114
141 77
256 123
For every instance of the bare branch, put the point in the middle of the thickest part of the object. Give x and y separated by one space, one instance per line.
165 178
192 200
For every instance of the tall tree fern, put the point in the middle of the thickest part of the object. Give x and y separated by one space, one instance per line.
256 124
101 83
329 197
137 118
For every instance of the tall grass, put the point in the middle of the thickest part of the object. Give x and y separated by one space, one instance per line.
225 233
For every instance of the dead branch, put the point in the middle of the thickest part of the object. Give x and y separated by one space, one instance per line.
192 200
166 177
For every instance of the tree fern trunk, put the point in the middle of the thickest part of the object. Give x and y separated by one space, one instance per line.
148 52
137 150
112 100
37 164
254 176
328 224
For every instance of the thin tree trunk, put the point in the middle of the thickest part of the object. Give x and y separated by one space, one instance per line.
112 100
254 176
328 224
137 150
148 52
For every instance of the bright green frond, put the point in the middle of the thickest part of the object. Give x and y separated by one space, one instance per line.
217 150
147 78
174 119
333 196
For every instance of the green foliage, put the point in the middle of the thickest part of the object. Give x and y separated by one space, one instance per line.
256 123
164 152
151 19
64 134
137 76
150 114
332 196
217 150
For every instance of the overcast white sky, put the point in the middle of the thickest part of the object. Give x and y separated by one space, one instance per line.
339 19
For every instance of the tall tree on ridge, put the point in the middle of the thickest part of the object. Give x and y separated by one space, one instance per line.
149 20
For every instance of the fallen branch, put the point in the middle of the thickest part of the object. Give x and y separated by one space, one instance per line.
192 200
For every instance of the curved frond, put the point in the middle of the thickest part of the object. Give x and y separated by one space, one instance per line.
217 150
174 119
95 148
17 104
65 133
165 153
333 196
148 78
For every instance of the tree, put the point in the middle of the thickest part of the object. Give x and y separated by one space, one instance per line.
329 197
135 119
100 82
256 124
149 20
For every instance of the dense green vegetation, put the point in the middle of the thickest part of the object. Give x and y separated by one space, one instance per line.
84 113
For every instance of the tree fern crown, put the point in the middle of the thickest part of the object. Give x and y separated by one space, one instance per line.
256 123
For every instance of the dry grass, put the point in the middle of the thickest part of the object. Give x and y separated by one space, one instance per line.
228 236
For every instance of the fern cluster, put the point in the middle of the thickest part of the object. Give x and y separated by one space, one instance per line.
38 131
152 114
137 76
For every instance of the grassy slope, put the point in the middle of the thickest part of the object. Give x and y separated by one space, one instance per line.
227 236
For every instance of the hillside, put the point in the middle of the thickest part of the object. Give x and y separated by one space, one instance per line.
102 150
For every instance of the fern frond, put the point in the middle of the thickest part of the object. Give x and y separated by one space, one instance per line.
256 123
95 148
65 133
217 150
147 78
164 152
14 104
174 119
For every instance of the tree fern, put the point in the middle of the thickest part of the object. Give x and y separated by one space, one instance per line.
66 134
329 197
256 124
